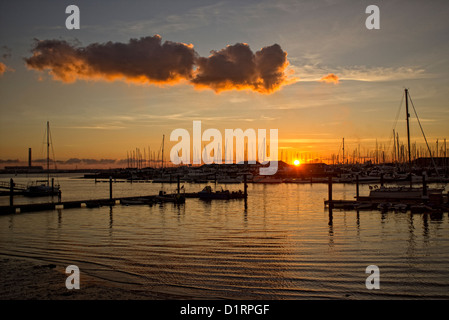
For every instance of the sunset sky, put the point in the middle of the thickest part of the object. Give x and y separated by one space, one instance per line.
310 69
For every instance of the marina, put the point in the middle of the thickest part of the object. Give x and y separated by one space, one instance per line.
240 150
161 197
281 243
225 231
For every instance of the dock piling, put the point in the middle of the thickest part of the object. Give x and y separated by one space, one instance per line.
11 192
424 184
331 205
357 186
245 187
110 188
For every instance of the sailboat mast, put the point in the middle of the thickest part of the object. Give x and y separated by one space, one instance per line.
408 136
48 153
163 138
445 158
398 149
394 147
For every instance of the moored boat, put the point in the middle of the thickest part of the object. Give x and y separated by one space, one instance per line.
40 189
174 198
208 194
402 193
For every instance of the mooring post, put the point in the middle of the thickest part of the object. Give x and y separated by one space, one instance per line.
11 192
110 187
52 185
179 188
330 203
245 187
357 187
382 179
424 184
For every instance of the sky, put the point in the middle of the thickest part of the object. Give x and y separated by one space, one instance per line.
137 70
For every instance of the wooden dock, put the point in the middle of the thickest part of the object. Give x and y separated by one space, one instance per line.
14 189
13 185
439 203
90 203
8 188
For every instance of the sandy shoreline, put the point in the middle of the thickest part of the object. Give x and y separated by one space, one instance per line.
27 279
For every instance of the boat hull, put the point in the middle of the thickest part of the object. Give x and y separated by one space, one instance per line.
401 193
41 191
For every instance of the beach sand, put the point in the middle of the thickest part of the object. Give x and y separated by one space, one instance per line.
26 279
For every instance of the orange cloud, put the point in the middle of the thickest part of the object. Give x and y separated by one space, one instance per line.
4 68
149 61
330 78
237 67
144 60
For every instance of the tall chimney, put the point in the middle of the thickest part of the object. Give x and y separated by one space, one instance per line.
29 157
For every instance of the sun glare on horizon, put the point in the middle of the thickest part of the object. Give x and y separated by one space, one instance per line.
296 162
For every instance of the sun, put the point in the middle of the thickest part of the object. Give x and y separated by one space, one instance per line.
296 162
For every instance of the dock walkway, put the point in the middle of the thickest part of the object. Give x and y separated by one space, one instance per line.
34 207
16 186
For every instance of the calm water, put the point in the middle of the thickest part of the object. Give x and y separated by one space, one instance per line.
282 245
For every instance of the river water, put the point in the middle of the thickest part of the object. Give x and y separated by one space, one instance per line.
281 244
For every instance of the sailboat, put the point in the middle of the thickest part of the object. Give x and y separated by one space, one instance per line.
39 189
404 193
